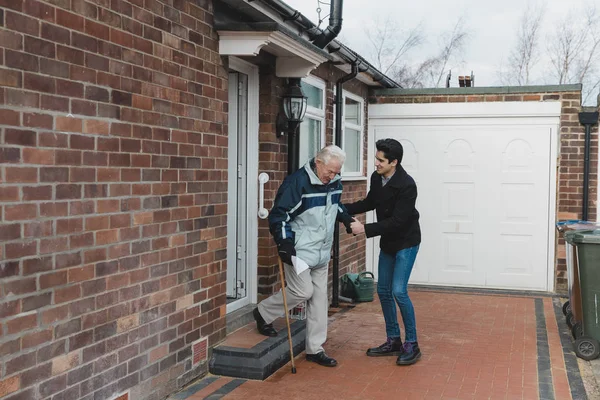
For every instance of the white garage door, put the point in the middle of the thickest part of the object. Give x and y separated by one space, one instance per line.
485 187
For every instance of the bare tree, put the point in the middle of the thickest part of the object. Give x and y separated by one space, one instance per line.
574 51
526 53
452 45
390 44
390 50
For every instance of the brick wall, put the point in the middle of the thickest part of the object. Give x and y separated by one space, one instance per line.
113 171
571 158
273 160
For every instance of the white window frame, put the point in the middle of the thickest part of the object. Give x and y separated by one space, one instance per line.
357 175
317 113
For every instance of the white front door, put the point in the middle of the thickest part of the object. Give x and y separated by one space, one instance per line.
484 197
242 204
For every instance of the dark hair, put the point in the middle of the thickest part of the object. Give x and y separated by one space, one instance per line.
391 149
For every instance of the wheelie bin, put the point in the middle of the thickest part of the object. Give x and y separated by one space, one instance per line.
587 245
572 307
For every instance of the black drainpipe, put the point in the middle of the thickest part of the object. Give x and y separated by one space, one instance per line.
588 119
339 104
293 151
335 25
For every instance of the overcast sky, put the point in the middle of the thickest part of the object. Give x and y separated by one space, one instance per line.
492 25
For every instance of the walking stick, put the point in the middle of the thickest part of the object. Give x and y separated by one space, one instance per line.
287 316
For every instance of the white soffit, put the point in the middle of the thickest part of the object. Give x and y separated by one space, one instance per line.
293 59
362 76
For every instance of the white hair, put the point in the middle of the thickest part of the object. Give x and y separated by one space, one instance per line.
332 151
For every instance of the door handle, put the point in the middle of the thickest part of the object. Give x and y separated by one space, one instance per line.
262 211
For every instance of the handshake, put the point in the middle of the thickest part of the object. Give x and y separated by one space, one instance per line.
355 226
286 249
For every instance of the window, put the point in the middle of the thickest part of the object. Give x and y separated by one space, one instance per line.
352 135
312 129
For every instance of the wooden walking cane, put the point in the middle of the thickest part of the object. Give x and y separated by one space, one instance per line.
287 316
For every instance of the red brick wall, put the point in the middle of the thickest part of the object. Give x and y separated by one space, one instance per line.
113 171
570 164
273 160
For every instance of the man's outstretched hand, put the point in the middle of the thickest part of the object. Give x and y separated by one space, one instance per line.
357 227
286 250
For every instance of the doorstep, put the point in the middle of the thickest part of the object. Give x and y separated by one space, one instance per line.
247 354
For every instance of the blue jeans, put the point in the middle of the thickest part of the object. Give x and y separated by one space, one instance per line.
394 271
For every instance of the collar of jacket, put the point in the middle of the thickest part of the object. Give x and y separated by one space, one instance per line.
396 179
310 167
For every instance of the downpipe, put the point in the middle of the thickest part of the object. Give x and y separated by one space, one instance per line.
339 104
588 119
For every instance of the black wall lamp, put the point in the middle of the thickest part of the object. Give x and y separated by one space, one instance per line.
294 108
294 104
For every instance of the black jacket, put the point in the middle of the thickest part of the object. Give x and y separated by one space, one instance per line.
397 218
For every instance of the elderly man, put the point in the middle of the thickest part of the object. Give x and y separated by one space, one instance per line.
302 221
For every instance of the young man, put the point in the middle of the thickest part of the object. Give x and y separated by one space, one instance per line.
393 195
302 221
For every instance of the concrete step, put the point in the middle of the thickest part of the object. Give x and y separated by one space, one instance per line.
262 359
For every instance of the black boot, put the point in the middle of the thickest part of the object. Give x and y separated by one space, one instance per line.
392 347
410 355
262 326
321 359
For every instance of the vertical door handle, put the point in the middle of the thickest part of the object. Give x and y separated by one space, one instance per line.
262 211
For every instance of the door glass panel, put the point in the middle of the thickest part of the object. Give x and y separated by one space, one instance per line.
238 180
242 184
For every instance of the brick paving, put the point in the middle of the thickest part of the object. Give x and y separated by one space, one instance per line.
475 346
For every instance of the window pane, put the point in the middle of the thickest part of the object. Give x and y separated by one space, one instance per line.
352 112
314 94
310 139
352 148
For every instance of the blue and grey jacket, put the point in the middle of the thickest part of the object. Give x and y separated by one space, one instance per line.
305 212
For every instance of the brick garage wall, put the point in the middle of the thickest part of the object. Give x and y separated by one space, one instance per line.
273 160
571 158
113 171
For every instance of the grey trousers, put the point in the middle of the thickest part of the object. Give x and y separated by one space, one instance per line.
309 286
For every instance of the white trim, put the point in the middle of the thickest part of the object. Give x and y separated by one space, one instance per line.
293 59
353 178
466 110
232 148
314 113
552 206
252 169
371 265
360 127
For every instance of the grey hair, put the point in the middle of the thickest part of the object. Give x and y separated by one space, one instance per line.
332 151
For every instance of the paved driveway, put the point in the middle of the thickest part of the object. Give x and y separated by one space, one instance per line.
474 345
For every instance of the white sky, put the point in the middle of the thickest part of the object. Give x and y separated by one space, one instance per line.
492 25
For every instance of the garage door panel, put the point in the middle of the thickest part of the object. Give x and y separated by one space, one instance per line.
410 159
517 205
518 156
459 156
524 186
483 200
458 252
518 264
457 202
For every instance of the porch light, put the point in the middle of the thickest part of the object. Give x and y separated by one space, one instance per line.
294 108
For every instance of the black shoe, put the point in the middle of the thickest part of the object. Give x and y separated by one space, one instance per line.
410 355
321 359
392 347
262 326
